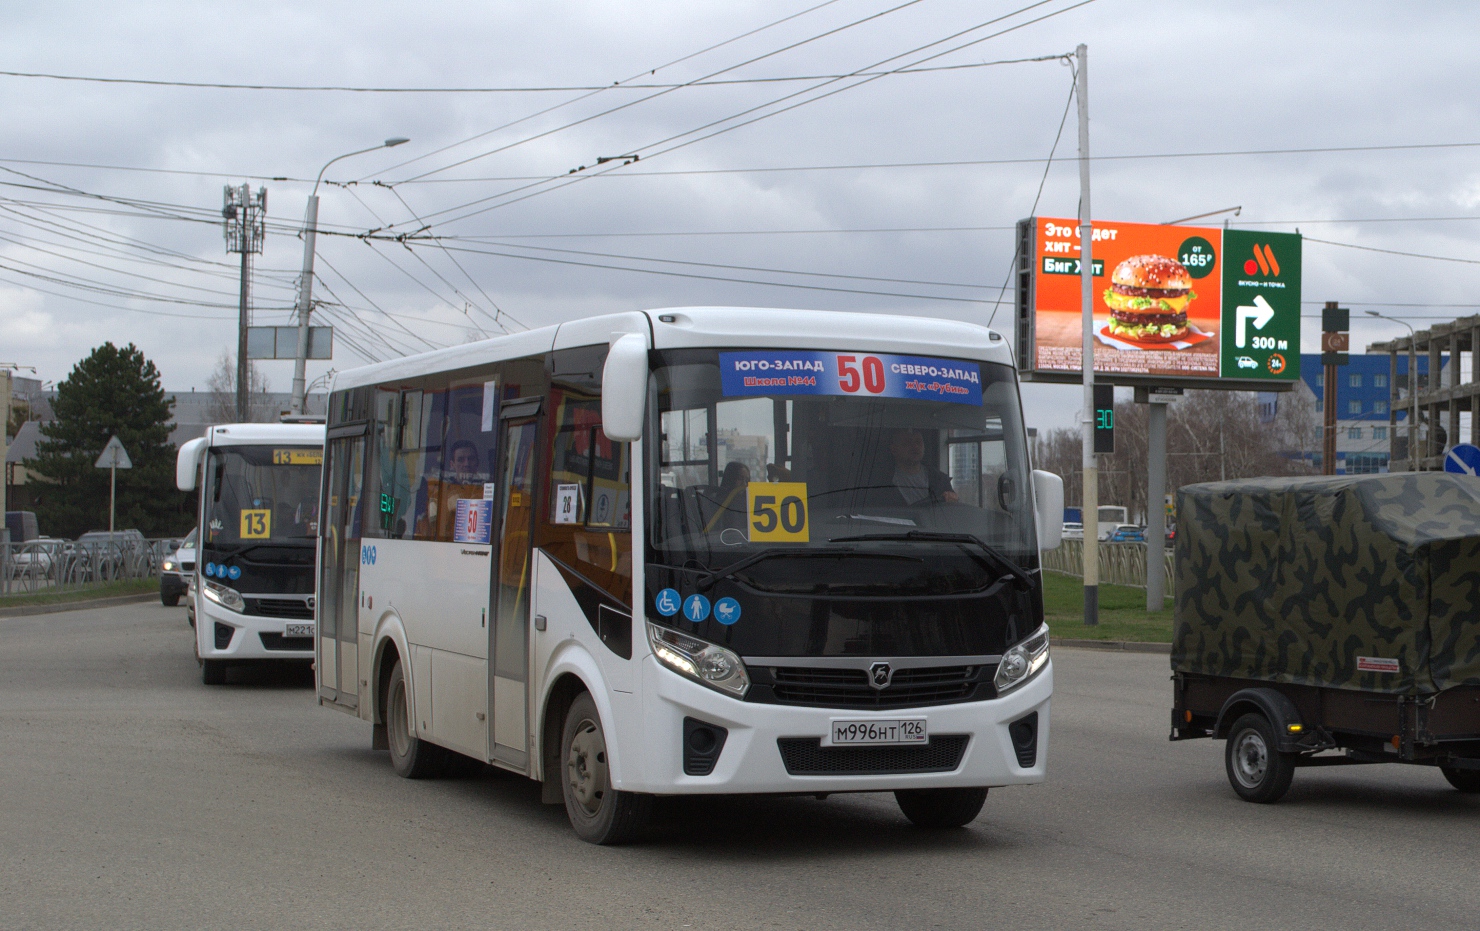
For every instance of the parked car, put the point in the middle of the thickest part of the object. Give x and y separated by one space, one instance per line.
101 554
1127 533
1073 530
36 559
175 572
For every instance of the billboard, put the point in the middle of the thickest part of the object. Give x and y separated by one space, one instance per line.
1172 305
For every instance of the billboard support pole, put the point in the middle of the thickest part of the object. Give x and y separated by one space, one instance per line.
1156 490
1091 509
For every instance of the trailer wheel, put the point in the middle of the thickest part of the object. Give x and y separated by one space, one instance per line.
1465 780
1257 770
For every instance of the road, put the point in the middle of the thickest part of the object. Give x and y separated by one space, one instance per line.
131 796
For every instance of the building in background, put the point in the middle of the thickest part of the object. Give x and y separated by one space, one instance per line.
1364 423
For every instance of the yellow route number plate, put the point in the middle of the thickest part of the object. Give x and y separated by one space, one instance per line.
298 457
256 524
778 512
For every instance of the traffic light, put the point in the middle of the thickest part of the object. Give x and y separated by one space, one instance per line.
1104 418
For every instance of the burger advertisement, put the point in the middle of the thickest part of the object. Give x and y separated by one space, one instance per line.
1171 304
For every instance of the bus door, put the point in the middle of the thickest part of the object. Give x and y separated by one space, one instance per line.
509 634
339 581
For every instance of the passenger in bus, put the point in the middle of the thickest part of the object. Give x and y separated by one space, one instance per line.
913 483
731 510
460 478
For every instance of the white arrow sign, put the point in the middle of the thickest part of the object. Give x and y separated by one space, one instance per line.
1261 313
114 456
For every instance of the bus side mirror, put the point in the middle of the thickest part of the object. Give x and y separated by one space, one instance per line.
624 388
1048 500
187 462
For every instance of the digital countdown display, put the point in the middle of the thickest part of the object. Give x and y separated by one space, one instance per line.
1172 304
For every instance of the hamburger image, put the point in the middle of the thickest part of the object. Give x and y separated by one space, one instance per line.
1148 298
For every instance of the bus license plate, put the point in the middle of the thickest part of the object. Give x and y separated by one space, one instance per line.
299 630
907 731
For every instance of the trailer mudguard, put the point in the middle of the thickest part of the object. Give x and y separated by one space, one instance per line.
1271 703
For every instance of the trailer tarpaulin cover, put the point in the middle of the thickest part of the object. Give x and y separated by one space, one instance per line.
1367 582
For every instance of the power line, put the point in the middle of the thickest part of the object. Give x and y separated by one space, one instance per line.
586 96
1411 255
554 88
771 103
654 96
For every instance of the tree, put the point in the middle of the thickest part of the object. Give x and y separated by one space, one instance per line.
1211 435
222 384
112 391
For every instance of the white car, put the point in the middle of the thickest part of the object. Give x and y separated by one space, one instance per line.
1073 530
175 572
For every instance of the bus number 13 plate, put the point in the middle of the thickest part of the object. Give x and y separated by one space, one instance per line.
256 524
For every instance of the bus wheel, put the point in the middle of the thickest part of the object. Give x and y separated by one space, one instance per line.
1257 770
941 808
599 813
1465 780
412 757
213 671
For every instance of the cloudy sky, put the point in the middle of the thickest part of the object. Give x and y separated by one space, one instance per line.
110 193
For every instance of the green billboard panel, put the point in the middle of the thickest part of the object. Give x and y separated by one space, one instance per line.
1261 305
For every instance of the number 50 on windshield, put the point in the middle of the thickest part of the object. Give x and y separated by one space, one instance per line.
778 512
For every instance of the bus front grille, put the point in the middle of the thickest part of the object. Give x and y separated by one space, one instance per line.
805 756
850 688
272 641
289 608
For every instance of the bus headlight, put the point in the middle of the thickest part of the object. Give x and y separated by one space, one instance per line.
1022 662
169 565
225 597
710 665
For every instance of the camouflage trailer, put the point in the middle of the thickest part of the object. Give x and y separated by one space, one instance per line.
1330 621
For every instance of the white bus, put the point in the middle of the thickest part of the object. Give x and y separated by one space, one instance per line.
258 520
699 550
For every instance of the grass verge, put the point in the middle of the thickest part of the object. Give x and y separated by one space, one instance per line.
1123 614
86 593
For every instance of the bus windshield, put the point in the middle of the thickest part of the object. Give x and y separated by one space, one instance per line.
262 494
808 450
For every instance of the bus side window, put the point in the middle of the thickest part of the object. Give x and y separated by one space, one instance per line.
586 518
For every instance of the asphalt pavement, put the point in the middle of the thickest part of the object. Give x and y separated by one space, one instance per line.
132 796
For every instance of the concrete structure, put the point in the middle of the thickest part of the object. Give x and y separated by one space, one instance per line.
1440 402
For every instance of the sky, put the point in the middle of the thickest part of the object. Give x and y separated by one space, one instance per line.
110 193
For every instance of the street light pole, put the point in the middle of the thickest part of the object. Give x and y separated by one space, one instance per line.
305 288
1412 388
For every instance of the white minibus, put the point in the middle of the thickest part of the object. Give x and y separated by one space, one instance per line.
697 550
258 516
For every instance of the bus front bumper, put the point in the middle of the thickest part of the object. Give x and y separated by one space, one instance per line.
772 748
223 634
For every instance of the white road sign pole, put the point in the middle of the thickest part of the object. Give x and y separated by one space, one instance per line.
113 458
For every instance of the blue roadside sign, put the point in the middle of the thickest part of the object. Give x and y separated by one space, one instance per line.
1463 459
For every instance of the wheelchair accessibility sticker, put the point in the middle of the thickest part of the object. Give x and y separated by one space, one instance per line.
668 602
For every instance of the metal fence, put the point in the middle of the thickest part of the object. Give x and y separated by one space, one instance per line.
1120 563
62 565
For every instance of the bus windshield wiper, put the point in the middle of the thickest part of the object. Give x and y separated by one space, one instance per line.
707 580
994 556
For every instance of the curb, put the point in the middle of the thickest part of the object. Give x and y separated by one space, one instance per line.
1125 646
59 607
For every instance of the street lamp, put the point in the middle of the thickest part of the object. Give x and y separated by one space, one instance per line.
1412 389
305 290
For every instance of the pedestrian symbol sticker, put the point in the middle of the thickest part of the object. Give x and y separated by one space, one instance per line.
668 602
696 608
727 611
